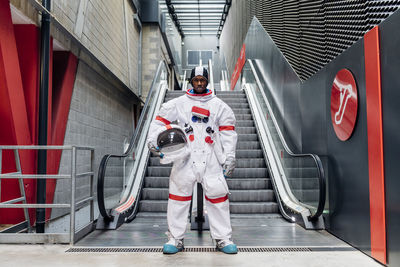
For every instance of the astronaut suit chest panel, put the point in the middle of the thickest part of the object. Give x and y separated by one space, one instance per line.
200 151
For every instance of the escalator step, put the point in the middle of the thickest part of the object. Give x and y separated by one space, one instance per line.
250 173
253 207
247 137
155 193
264 195
248 145
233 183
249 153
161 171
237 111
249 183
245 123
235 207
246 130
240 153
156 182
240 163
238 105
243 116
153 205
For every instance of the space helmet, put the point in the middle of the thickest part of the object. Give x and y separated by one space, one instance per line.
172 144
199 71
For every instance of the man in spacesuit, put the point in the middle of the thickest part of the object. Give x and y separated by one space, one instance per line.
209 125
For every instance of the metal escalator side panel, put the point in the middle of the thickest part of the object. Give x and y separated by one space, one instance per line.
259 104
139 169
276 170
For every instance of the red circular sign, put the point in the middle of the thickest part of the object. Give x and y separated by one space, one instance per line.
344 104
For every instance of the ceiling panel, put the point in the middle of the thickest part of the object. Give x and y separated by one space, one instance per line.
197 16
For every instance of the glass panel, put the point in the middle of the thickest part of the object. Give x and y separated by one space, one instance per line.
119 169
205 56
193 57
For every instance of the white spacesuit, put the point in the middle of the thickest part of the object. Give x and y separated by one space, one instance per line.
209 124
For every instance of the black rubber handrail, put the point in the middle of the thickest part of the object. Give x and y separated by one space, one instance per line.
317 160
103 164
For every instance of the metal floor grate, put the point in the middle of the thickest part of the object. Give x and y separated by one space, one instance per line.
189 249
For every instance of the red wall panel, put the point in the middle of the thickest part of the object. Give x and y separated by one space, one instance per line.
14 107
375 145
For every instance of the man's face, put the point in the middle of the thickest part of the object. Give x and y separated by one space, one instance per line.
199 84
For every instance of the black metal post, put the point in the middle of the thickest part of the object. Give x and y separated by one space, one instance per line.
200 217
43 114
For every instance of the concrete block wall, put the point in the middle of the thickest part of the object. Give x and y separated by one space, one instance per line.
100 117
152 54
100 26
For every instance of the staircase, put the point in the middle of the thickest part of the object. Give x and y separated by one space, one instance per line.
250 186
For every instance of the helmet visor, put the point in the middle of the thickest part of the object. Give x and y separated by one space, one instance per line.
171 140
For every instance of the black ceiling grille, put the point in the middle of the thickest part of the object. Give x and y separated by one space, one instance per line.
187 249
310 33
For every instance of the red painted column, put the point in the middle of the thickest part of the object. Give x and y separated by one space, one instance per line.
13 110
375 145
64 72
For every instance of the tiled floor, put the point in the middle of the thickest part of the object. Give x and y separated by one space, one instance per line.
327 250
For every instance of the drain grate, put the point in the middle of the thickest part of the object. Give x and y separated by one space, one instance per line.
189 249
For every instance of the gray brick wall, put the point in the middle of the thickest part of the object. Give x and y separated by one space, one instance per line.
152 54
100 117
103 32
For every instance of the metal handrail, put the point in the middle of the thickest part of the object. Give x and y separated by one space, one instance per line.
317 160
103 164
211 75
73 205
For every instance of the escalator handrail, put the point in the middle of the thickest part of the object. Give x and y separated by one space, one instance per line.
104 160
316 158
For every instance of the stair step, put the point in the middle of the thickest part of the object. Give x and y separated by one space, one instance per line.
223 93
249 153
264 195
240 163
237 111
246 130
250 173
234 100
156 182
162 171
155 194
243 117
233 183
259 195
249 183
253 207
237 105
248 145
145 214
247 137
245 123
153 205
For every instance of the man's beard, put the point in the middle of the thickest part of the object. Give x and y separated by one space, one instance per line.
199 90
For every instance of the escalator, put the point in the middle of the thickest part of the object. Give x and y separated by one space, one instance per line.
269 179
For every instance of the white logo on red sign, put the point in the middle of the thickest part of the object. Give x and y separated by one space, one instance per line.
344 104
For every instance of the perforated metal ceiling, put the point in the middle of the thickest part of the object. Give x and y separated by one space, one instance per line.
310 33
